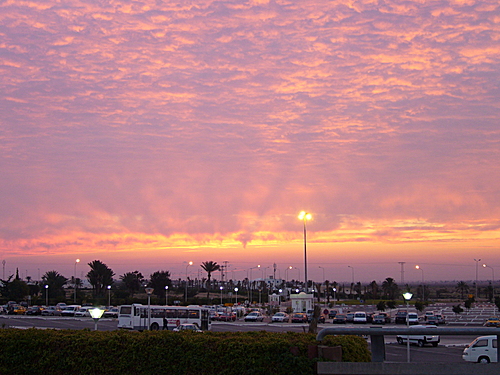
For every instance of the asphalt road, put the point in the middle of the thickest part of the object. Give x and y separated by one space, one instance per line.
449 350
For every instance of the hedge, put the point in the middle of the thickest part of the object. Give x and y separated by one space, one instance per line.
56 352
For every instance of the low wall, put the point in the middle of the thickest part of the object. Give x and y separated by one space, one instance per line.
361 368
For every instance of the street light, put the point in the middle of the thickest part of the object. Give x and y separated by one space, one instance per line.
286 273
323 268
423 287
149 291
186 297
221 289
96 314
109 296
236 295
279 297
304 216
166 295
334 296
76 262
407 296
492 281
46 295
477 261
352 273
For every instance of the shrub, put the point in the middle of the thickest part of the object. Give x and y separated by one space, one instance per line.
164 352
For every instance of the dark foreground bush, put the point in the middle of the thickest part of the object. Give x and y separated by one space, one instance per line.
117 352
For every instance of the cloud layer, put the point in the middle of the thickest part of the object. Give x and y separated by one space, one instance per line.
130 125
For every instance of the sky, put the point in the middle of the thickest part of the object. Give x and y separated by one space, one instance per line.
147 134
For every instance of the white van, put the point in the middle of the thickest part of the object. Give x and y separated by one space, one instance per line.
420 340
360 317
481 350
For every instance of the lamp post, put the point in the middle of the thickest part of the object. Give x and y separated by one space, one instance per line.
76 262
96 314
492 282
286 273
236 295
334 296
423 287
186 296
477 261
46 295
166 295
109 296
304 216
149 291
221 289
407 296
352 273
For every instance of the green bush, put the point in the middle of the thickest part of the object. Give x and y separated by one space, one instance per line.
121 352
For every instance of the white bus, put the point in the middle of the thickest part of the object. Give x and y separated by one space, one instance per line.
135 317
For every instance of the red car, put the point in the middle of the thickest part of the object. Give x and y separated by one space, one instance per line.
227 317
299 318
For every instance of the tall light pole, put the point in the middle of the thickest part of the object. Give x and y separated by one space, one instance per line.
236 295
477 261
166 295
334 296
423 287
186 296
109 296
323 268
407 296
46 295
149 291
76 262
492 282
352 274
221 289
304 216
286 273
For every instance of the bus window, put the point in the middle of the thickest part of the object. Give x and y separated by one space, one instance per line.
126 310
183 313
171 313
194 314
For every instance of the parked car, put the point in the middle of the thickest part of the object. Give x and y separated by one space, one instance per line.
412 318
432 320
387 316
492 321
299 318
482 350
70 310
193 327
227 317
254 316
360 317
111 313
340 319
84 311
428 314
420 340
16 310
379 319
440 318
321 318
350 317
51 311
332 314
280 317
34 310
400 317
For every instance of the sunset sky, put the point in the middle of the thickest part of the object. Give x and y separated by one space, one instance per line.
147 134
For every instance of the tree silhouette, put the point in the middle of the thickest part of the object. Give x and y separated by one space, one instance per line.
462 288
159 280
99 276
390 288
56 283
132 281
209 267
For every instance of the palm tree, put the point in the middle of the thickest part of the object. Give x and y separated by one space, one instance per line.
373 289
390 288
327 291
159 280
133 281
99 276
56 282
209 267
462 288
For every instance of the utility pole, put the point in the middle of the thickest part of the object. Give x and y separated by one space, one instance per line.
402 272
